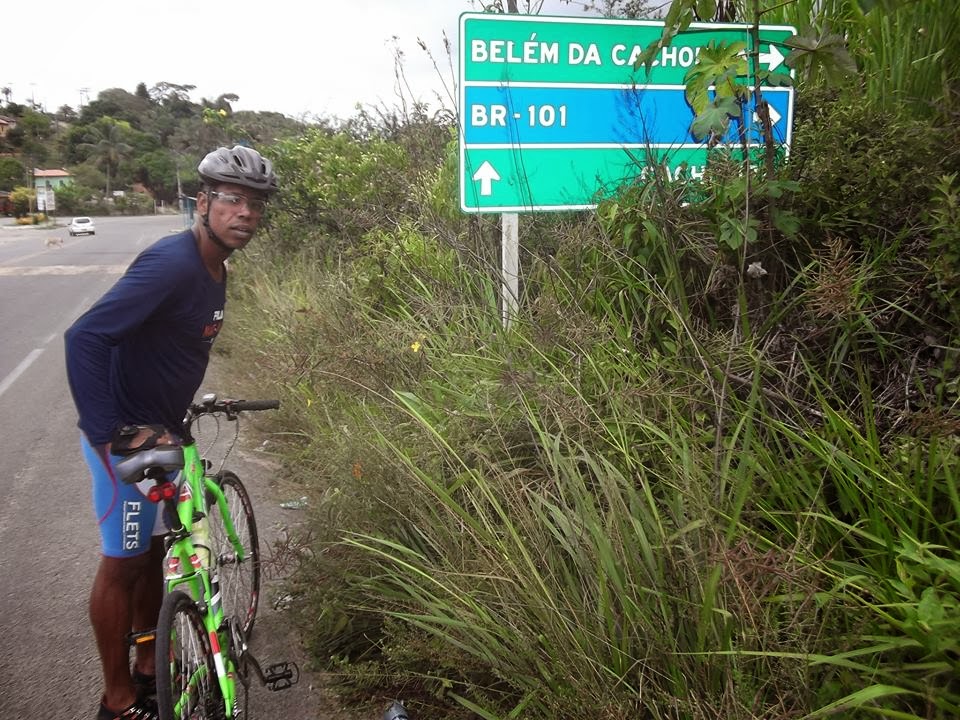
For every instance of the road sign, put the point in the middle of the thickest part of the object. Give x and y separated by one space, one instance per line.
554 115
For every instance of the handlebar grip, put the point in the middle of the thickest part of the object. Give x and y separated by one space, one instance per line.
241 405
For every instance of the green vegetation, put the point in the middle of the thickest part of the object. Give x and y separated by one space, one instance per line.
710 471
139 143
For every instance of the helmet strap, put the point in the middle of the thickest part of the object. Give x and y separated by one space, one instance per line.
210 233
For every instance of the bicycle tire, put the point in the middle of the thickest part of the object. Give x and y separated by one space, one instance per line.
239 580
187 685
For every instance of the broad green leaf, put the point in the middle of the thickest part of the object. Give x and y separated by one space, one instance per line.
715 118
706 9
827 51
930 610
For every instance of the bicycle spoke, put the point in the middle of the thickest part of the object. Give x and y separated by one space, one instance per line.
239 567
187 685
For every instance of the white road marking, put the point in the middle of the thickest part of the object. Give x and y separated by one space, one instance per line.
63 270
20 369
31 357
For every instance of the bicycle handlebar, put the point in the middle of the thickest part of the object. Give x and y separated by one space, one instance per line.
210 405
239 405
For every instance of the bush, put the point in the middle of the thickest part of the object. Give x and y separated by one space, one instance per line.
865 173
33 219
134 203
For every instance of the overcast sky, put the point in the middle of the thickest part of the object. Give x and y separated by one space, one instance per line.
300 57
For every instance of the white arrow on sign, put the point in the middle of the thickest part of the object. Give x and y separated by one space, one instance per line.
775 117
486 174
772 59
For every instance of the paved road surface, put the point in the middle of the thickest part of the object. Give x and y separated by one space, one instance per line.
48 540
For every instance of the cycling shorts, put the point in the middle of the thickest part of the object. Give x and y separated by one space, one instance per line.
126 518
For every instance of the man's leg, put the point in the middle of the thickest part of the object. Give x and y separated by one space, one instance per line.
127 589
111 614
147 598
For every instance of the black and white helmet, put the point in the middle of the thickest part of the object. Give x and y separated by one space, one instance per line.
238 165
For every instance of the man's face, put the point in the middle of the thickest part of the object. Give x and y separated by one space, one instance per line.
235 212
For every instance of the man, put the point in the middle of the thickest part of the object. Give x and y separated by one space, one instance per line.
134 360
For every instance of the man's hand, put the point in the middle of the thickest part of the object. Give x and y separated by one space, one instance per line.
147 432
130 438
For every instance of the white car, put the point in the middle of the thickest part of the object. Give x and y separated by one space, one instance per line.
82 226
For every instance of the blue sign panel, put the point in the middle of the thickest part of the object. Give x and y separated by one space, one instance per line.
511 115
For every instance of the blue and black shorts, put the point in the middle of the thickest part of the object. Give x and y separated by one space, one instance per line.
126 518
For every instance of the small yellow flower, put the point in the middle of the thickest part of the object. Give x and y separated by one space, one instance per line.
417 344
223 113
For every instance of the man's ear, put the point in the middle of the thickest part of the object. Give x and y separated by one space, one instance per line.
202 200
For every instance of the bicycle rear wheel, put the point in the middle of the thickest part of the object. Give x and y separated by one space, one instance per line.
239 577
187 685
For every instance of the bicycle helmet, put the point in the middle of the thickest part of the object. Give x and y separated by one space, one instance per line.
238 165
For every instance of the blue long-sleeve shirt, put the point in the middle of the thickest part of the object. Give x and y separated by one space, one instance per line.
139 354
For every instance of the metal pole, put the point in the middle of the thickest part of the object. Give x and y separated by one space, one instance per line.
510 265
510 250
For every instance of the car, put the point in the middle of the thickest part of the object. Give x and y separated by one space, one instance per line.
82 226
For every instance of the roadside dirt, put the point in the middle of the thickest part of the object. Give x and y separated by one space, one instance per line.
274 638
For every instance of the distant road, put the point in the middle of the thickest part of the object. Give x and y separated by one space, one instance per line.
49 546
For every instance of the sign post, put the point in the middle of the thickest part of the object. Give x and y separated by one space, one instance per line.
555 117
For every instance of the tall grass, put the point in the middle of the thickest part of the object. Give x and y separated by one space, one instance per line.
554 529
906 51
670 489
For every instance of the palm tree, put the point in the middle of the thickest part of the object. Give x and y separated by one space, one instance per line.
6 92
105 141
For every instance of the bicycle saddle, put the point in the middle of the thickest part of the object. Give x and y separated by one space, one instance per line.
167 458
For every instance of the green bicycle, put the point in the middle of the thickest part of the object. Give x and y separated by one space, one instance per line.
212 577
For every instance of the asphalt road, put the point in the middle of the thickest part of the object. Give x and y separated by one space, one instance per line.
49 546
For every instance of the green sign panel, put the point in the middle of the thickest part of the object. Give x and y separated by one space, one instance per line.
554 115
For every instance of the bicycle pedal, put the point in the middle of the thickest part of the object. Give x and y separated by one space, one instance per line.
139 638
281 676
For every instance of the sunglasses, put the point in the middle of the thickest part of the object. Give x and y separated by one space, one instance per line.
254 205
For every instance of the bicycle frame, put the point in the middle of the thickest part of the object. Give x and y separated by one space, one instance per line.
184 566
186 500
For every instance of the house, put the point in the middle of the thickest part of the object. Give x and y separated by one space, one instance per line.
6 125
51 179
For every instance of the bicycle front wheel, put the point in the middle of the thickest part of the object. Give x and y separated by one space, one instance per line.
239 571
187 685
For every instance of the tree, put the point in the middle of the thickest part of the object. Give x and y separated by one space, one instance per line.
6 91
105 140
12 173
23 199
157 171
119 105
66 114
175 98
616 8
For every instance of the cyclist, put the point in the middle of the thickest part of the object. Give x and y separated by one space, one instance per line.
134 362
